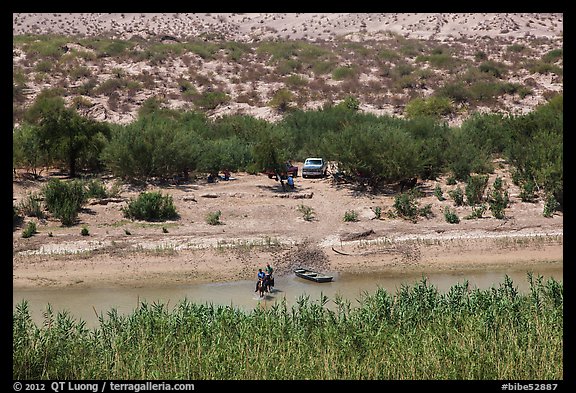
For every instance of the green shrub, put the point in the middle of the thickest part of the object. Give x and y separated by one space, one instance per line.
451 216
457 195
475 187
550 206
281 100
498 200
527 191
341 73
493 68
406 206
350 216
377 212
211 99
64 199
553 55
425 211
30 230
213 218
438 193
84 231
151 206
431 106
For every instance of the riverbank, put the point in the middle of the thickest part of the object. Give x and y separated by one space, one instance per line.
165 266
259 223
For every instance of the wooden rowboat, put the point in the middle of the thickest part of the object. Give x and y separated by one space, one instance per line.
312 275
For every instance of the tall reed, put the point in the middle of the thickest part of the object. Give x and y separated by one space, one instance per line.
417 333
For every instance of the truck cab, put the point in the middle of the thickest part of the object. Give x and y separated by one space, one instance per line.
314 166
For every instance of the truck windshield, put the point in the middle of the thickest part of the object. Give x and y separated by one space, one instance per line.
313 162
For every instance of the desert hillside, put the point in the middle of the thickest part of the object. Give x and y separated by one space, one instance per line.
108 65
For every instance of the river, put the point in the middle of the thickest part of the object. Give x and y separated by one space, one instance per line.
87 303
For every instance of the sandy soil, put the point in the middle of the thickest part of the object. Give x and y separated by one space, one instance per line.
260 223
325 26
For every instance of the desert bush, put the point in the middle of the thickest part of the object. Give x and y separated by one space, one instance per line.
211 99
151 206
456 91
341 73
475 187
406 206
85 231
527 191
30 230
450 216
377 212
493 68
553 55
156 145
457 196
550 205
498 200
516 48
439 60
425 211
350 216
296 81
536 148
281 100
79 72
387 54
64 199
43 66
438 193
543 67
432 106
213 218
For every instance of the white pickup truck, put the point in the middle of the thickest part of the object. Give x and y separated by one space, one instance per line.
314 166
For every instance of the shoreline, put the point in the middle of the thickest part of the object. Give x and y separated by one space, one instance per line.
120 268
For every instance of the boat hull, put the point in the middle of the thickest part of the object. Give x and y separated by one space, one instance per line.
312 275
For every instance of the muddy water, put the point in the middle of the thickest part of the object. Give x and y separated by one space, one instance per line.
86 304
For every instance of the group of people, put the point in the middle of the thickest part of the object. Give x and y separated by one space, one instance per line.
265 279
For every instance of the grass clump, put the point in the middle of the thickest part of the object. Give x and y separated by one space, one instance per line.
151 206
307 212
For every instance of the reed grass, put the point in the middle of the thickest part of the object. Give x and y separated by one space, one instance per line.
416 333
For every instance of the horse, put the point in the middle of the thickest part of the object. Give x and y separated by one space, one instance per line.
261 288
